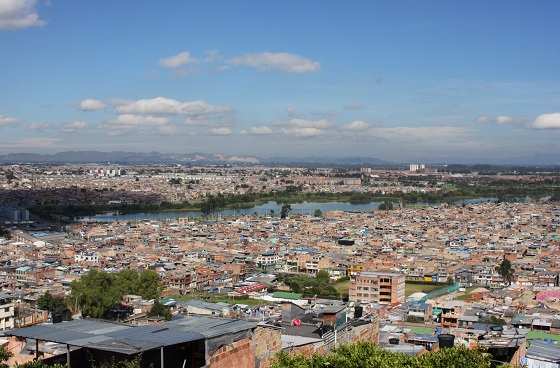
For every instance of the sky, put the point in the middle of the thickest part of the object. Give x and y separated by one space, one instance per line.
397 80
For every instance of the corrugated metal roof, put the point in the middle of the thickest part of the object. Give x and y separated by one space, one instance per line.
132 339
541 350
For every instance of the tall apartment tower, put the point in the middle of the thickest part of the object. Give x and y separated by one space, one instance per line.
377 287
416 167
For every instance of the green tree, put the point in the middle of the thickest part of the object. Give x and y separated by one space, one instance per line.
505 270
318 213
54 304
160 310
4 356
323 276
493 320
385 206
285 211
39 364
368 355
149 286
136 362
95 292
127 282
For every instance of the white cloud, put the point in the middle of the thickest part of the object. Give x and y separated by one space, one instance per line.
500 120
19 14
281 61
305 128
177 61
220 131
39 126
263 130
138 120
91 105
546 121
303 123
357 126
303 132
162 105
8 120
483 119
196 121
72 127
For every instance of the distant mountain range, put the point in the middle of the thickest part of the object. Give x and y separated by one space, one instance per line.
197 158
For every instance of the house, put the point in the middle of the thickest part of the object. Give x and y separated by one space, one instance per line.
184 342
451 313
420 310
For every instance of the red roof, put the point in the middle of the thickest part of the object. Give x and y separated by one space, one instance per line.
250 288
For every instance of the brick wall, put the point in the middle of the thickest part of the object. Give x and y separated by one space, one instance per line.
240 354
253 352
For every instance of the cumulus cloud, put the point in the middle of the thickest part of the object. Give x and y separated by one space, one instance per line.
8 121
19 14
138 120
500 120
196 121
303 123
483 119
177 61
503 120
546 121
357 126
303 132
263 130
39 126
72 127
281 61
221 131
162 105
91 105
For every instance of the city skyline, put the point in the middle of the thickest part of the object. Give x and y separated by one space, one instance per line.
399 81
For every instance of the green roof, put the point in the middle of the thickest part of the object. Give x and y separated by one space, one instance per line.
542 335
286 295
421 330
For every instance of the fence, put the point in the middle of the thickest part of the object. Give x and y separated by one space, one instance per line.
441 291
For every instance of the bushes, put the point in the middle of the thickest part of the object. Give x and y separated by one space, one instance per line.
368 355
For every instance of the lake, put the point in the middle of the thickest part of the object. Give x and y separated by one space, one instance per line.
305 208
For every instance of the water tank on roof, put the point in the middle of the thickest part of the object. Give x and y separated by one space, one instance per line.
56 317
394 340
358 312
446 340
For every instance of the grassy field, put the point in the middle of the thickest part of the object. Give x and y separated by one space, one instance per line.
217 298
422 288
342 287
467 293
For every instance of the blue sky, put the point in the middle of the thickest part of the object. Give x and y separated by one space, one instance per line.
397 80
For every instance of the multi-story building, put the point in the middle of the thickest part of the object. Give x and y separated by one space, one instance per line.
268 260
377 287
7 312
452 312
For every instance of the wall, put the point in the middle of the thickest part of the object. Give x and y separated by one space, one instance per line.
253 352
